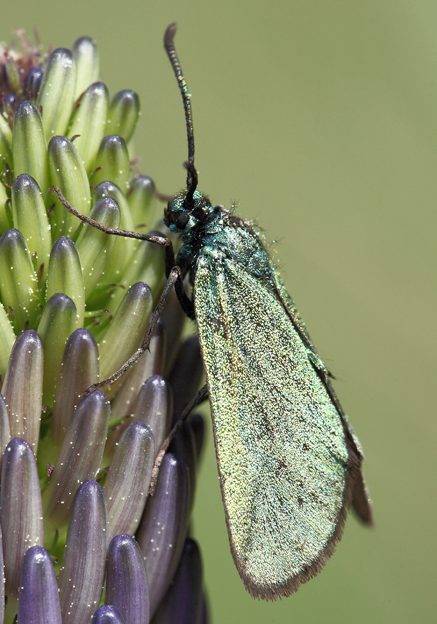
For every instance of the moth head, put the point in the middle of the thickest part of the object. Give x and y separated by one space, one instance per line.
186 211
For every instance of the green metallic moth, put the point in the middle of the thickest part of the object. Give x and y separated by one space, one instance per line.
289 463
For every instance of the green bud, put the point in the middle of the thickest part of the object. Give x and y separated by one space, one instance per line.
113 162
88 121
5 437
86 59
5 211
146 265
127 329
124 247
5 141
67 172
58 321
65 275
7 339
30 217
95 247
29 146
56 94
13 73
18 281
141 198
22 388
124 111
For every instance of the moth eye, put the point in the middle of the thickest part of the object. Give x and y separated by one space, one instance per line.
180 219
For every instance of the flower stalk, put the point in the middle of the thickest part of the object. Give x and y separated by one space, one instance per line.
81 539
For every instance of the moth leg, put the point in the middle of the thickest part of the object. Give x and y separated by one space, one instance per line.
199 398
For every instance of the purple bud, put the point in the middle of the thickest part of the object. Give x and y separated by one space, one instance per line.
33 82
21 515
126 580
183 602
79 369
83 565
154 407
107 614
164 525
186 374
23 386
184 445
79 458
38 602
128 481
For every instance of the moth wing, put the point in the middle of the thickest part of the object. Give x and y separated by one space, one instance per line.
283 456
360 496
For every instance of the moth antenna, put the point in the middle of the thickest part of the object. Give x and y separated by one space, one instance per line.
171 52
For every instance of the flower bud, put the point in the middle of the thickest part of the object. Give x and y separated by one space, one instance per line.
146 265
184 600
79 369
65 275
164 525
79 458
86 59
107 614
83 565
21 515
126 580
94 246
5 433
39 600
5 141
150 363
154 407
33 82
18 283
6 222
57 92
124 248
29 145
141 198
127 329
58 321
88 121
124 111
22 387
113 162
68 173
127 483
30 218
7 339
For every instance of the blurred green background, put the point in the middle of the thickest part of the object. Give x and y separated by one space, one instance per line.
320 118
